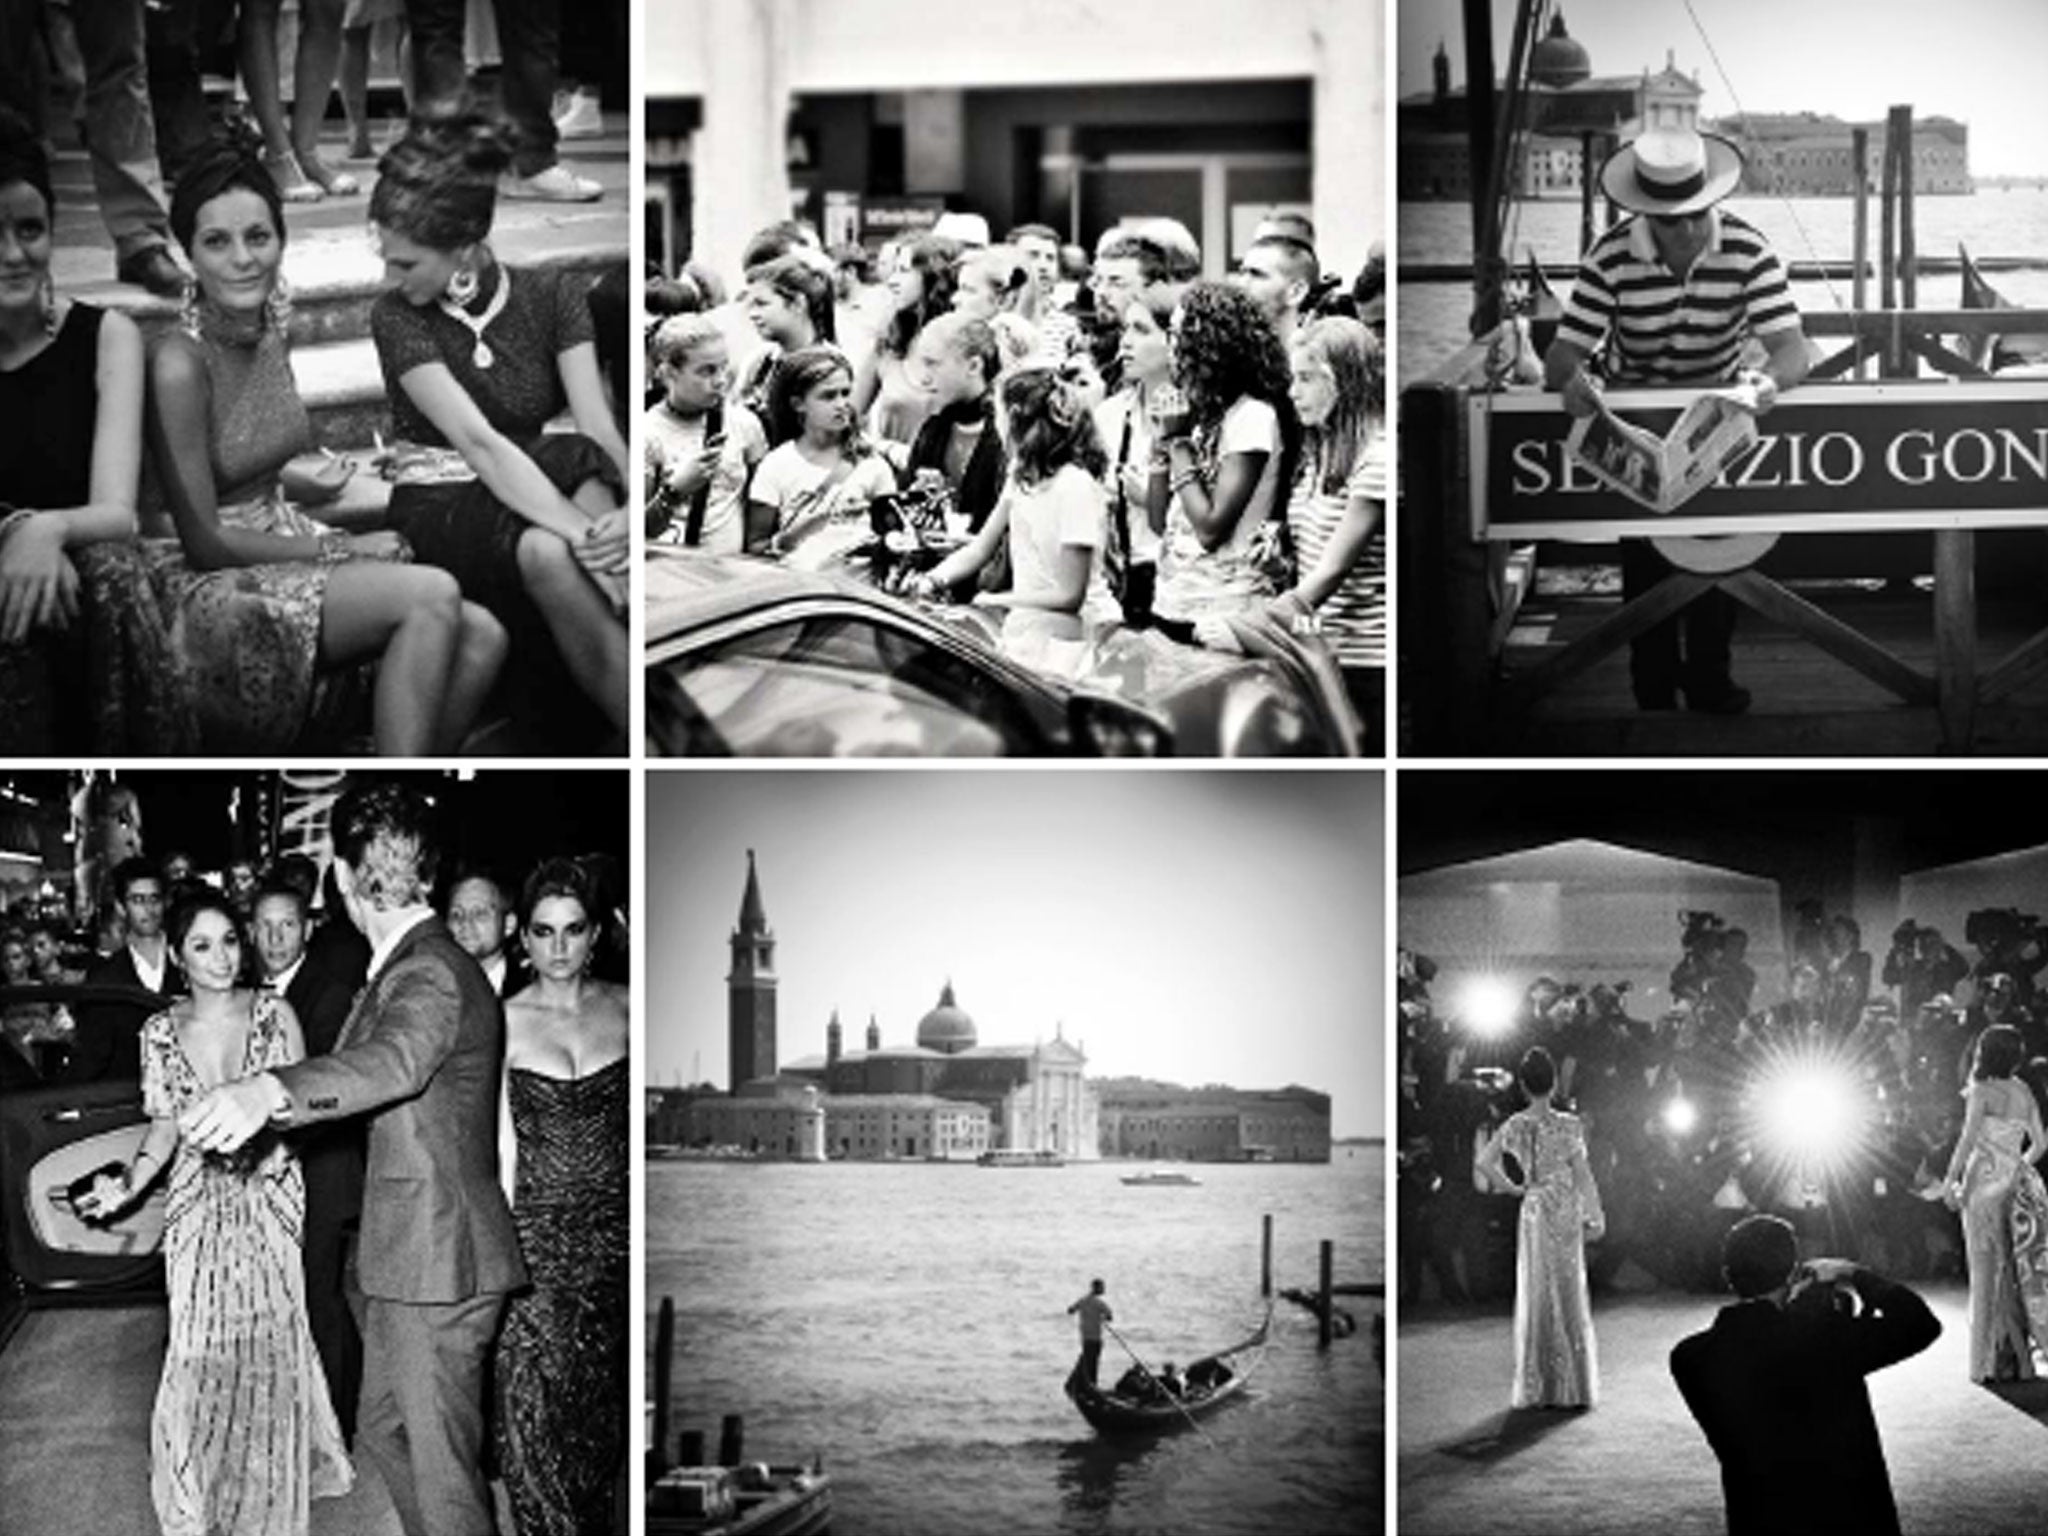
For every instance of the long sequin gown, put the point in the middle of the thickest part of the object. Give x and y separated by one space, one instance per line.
243 1436
561 1366
2005 1233
1556 1365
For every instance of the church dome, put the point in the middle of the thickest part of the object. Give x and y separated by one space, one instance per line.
1559 60
947 1028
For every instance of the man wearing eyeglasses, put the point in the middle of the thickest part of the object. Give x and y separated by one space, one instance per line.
1683 294
108 1039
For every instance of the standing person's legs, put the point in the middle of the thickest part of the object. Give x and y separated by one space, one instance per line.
1653 655
1709 653
439 1386
1091 1359
530 33
440 75
121 134
22 82
314 67
177 95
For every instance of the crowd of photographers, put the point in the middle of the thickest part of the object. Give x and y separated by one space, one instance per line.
1680 1145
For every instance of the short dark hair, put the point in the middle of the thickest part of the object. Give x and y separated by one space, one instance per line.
1538 1072
1155 265
1758 1254
130 870
777 239
299 871
561 877
1032 232
274 889
385 831
2000 1050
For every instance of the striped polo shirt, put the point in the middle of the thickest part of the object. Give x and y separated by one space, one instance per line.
1661 330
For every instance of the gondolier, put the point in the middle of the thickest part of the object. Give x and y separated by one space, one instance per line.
1094 1312
1671 298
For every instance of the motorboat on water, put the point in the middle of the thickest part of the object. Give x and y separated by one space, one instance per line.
1160 1176
753 1499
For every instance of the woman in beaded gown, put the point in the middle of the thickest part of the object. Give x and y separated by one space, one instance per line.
84 663
1993 1182
480 358
269 609
243 1435
561 1364
1555 1362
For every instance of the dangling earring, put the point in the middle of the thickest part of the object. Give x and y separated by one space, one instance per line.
280 305
188 311
49 305
463 284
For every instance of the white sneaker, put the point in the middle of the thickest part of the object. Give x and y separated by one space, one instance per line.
556 184
580 116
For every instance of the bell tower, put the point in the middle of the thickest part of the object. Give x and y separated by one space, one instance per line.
750 989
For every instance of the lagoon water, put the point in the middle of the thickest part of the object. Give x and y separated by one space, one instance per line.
1432 316
909 1322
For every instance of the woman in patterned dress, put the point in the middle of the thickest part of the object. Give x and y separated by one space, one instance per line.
561 1365
1993 1182
268 606
243 1435
480 358
1555 1362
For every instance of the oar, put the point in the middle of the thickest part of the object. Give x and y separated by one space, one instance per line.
1161 1389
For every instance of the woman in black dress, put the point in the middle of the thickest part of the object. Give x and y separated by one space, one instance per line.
561 1366
84 662
480 358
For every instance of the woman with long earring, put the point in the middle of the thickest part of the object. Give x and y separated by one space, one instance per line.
561 1365
480 359
84 664
270 609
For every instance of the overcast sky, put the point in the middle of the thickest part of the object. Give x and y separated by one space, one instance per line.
1208 926
1980 61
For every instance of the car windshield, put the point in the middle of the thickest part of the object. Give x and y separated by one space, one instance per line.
834 687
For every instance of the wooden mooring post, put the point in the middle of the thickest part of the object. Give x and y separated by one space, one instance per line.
1266 1257
664 1350
1324 1311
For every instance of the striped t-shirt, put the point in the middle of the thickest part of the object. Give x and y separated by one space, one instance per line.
1661 330
1353 618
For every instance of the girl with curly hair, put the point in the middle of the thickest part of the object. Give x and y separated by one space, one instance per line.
823 470
1053 514
921 283
1219 469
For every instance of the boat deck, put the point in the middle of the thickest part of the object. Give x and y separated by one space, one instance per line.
76 1387
1805 702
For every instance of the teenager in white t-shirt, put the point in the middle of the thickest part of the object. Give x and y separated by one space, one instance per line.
690 456
1053 516
1218 473
810 496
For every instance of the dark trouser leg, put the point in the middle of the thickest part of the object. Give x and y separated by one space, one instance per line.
120 130
1091 1360
1653 665
440 75
1709 631
177 97
422 1420
23 84
335 1337
530 33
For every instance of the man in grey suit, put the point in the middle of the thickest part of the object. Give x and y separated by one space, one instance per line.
422 1055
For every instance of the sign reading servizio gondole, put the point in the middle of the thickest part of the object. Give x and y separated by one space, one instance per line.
1834 458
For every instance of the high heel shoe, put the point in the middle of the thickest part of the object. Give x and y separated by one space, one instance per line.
329 180
293 184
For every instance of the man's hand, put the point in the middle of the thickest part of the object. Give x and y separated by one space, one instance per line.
1581 394
227 1117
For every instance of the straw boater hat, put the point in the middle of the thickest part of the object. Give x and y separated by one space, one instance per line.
1672 171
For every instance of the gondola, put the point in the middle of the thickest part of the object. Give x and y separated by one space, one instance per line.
1212 1381
1995 352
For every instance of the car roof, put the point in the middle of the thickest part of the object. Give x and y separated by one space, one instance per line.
687 587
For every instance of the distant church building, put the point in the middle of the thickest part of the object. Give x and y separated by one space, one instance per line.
946 1097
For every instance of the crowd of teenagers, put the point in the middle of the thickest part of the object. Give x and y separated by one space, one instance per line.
1111 437
173 574
1675 1120
470 1053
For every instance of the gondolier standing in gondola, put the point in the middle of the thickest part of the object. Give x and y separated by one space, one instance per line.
1094 1312
1670 297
